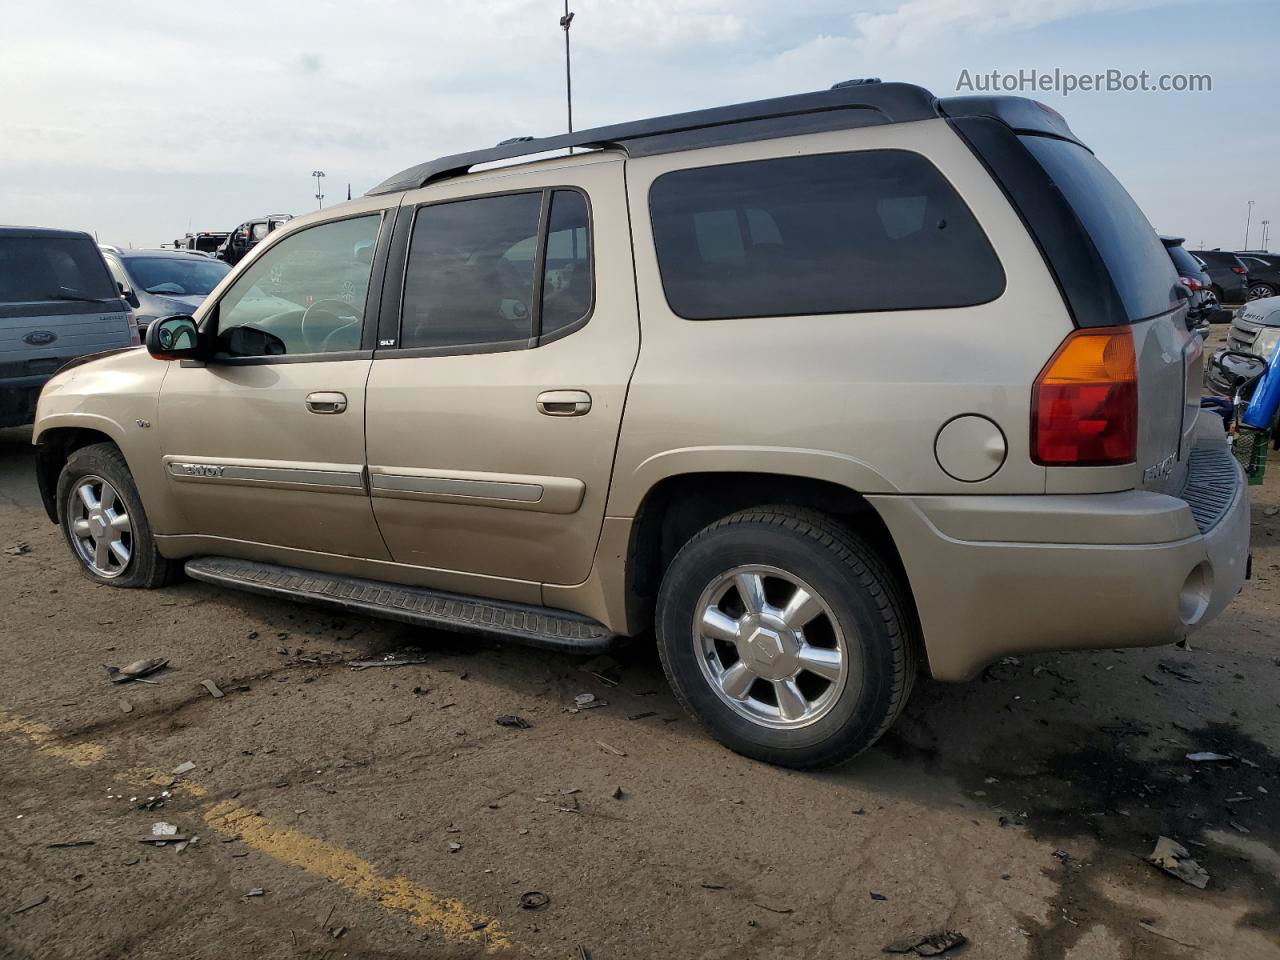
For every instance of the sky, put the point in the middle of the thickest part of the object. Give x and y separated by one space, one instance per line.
141 120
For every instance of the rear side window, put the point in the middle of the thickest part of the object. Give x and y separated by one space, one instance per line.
480 274
43 268
834 233
1134 256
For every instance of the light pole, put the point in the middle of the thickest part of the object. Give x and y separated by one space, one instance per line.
565 23
318 174
1248 221
1266 232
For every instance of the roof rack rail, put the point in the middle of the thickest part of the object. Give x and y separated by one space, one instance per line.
848 104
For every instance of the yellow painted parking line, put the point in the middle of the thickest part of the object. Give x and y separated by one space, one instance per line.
49 743
319 857
423 908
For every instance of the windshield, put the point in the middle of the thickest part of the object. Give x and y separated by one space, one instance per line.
176 276
1140 269
38 268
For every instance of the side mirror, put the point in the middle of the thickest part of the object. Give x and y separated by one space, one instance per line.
126 291
174 338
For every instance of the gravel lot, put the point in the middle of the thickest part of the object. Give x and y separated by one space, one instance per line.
383 813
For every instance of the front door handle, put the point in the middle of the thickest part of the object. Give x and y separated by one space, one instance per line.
327 402
564 403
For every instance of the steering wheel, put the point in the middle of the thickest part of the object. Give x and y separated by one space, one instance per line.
325 318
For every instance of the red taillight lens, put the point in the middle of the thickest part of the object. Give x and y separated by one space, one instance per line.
1190 284
1241 270
1084 405
134 339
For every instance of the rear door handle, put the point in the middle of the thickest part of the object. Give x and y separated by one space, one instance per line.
564 403
327 402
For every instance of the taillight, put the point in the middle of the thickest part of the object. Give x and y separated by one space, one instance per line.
1084 404
1240 270
1191 284
134 339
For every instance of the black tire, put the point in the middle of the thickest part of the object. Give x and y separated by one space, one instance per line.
145 568
855 585
1260 291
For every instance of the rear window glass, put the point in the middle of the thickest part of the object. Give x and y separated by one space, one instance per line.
1186 264
40 269
834 233
1134 256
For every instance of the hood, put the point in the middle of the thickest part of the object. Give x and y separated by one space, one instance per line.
174 303
1264 312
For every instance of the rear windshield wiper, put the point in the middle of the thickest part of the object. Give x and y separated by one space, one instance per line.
78 298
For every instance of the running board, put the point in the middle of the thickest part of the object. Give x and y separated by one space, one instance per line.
531 625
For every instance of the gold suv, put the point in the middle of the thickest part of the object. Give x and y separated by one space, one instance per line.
817 389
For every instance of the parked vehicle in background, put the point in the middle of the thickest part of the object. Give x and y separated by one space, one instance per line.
206 241
1255 328
662 386
1229 276
1264 273
248 235
1193 276
57 302
160 283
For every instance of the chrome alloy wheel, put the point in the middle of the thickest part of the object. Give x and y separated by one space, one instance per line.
771 647
100 527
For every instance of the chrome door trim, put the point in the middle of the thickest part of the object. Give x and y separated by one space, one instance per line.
277 474
509 491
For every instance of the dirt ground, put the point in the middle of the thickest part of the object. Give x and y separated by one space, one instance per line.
384 813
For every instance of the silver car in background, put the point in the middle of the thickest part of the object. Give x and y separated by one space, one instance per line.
162 283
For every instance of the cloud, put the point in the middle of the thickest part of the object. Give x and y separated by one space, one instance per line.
916 23
310 63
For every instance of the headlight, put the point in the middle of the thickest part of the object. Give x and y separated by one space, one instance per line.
1268 337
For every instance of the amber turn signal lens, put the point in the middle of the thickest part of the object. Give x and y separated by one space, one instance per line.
1084 405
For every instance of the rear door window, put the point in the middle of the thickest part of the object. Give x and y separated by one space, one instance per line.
1184 262
39 269
833 233
1135 258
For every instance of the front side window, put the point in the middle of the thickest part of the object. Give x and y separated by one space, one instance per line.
306 293
479 273
832 233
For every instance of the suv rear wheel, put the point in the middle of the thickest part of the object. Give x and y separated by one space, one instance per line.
783 634
1260 291
102 518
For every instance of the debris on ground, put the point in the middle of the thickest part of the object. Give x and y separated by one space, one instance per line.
62 844
928 944
511 720
534 900
614 750
30 902
1173 858
256 892
878 896
182 768
604 668
618 793
125 706
1173 671
1208 756
212 688
587 701
583 953
713 886
398 658
1150 928
643 715
454 846
135 671
18 549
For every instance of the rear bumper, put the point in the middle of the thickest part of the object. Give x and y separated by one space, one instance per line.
993 576
18 400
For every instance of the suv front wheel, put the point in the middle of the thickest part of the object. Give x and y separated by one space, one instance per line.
102 519
783 634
